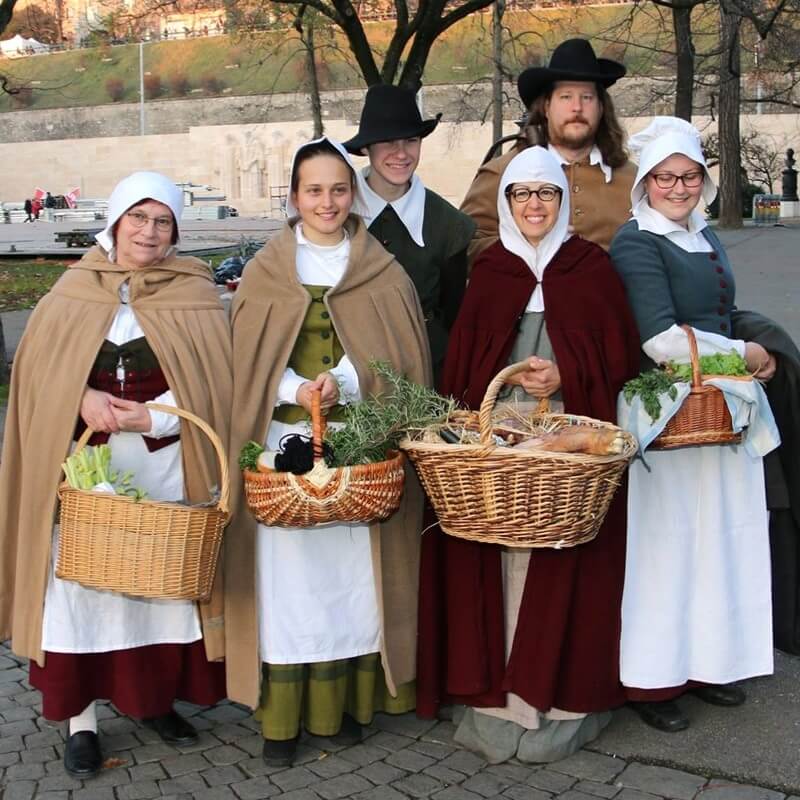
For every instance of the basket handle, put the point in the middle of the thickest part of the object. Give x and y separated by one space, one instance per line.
694 355
319 423
489 399
225 489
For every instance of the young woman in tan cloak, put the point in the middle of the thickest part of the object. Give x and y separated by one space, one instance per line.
130 322
322 621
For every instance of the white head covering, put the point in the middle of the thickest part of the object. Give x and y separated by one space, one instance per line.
133 190
359 206
663 137
534 164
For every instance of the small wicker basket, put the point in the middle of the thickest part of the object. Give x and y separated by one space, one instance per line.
519 498
143 548
359 494
703 417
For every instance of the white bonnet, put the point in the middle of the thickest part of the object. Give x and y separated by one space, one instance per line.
663 137
133 190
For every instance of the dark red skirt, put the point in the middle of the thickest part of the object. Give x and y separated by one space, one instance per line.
141 682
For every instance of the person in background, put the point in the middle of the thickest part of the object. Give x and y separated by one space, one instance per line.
28 210
571 113
426 234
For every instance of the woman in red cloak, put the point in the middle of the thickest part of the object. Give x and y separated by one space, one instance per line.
529 640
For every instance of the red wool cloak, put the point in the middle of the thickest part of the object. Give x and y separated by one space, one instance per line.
565 652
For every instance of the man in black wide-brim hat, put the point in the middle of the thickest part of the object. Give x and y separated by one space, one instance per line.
424 232
571 113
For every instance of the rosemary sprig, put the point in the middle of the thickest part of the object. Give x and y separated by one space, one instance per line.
374 426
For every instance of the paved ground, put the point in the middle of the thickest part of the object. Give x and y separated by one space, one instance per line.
747 753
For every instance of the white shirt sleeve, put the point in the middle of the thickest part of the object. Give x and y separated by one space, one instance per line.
287 388
673 344
163 424
347 378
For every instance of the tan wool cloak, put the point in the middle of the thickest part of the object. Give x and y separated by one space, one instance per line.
185 324
376 314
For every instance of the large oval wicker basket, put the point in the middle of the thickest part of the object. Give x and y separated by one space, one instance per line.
703 417
144 548
519 498
359 494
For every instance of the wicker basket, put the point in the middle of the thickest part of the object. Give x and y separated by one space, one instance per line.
703 417
359 494
519 498
143 548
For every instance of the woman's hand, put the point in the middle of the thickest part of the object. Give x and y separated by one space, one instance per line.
97 411
130 415
541 379
327 385
759 361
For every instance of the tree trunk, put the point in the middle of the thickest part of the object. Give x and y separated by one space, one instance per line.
730 171
3 360
684 87
497 72
313 78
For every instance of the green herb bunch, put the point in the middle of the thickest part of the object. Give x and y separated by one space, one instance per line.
649 385
376 425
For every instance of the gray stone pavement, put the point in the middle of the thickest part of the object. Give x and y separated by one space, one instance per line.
746 753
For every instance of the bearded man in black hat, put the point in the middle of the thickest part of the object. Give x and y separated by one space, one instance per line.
571 113
424 232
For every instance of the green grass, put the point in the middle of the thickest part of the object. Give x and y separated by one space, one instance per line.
22 284
3 393
272 62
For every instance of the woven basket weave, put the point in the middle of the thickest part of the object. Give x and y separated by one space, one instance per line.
359 494
143 548
703 417
519 498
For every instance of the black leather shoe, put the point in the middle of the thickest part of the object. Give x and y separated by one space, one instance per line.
350 733
172 728
279 753
82 756
665 716
720 695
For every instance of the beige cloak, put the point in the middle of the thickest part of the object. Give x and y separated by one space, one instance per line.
178 308
376 313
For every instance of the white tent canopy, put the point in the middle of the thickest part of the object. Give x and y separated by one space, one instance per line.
19 46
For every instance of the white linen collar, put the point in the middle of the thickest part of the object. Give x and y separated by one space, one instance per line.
595 159
410 208
690 239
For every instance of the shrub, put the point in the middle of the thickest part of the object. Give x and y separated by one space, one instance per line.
22 97
179 84
115 88
211 83
152 86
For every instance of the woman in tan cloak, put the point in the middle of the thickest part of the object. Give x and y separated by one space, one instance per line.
130 322
321 623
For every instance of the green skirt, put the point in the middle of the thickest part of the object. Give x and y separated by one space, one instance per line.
317 695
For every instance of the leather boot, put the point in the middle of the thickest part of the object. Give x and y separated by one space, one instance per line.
719 695
172 728
82 756
664 716
279 753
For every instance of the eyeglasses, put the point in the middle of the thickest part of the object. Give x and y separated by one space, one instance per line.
139 220
666 180
522 193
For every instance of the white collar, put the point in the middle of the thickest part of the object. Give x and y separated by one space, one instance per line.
595 159
328 248
410 208
690 239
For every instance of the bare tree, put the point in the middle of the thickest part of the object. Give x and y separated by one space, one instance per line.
730 175
417 25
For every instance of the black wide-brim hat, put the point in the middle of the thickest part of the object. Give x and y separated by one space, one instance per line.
573 60
389 113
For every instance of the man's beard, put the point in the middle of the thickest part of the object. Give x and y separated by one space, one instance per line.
572 137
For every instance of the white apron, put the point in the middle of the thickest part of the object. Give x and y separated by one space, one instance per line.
81 620
316 588
697 598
